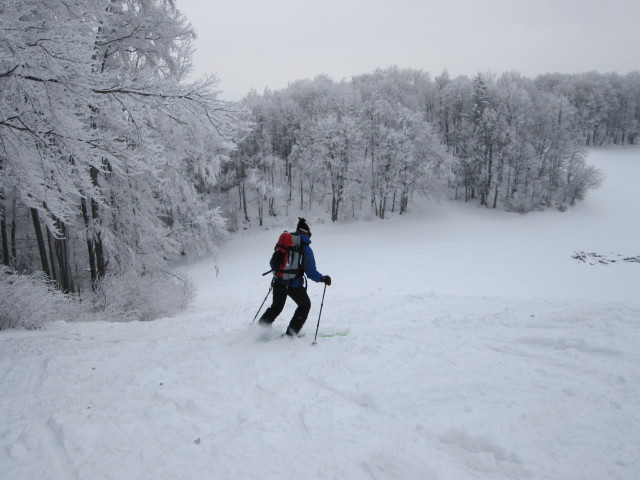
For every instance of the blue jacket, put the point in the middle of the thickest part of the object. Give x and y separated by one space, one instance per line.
308 265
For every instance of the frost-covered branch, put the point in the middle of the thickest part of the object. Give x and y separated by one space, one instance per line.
105 149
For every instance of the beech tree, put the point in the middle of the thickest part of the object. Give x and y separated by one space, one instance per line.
608 105
102 141
344 142
506 142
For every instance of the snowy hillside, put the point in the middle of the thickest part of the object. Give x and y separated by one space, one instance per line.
478 349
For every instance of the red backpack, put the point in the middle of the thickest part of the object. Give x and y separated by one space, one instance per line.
287 257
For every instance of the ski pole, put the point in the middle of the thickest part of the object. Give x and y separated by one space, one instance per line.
318 326
265 299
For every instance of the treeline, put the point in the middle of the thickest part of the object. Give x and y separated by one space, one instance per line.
366 146
607 105
106 151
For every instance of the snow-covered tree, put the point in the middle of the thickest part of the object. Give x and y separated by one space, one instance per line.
102 140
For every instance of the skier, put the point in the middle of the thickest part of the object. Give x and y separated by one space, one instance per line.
296 287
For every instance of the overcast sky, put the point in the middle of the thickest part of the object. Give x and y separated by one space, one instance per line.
269 43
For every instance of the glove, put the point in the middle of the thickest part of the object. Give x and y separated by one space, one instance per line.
326 279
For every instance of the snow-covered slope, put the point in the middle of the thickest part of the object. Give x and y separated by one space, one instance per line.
478 348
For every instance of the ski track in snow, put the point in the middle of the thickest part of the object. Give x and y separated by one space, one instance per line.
478 348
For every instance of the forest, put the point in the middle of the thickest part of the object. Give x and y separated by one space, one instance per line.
368 145
113 161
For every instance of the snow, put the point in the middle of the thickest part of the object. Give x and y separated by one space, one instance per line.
478 348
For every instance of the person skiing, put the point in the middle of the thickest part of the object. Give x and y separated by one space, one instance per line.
295 287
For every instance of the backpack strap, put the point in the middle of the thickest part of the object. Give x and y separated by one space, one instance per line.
300 248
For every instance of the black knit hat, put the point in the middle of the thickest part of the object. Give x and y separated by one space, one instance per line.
303 227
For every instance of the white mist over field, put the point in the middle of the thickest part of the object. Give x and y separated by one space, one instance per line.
478 348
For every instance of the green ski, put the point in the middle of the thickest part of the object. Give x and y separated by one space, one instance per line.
339 333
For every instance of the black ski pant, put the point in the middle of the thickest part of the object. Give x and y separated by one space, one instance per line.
280 293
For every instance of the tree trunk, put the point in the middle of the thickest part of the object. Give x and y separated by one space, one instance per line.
404 201
243 197
3 228
334 214
14 228
53 264
289 169
65 281
40 239
301 192
90 245
383 206
97 240
5 242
